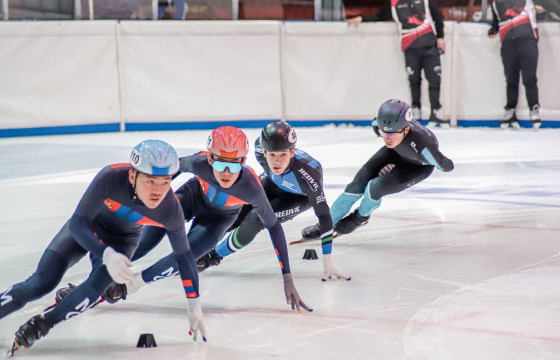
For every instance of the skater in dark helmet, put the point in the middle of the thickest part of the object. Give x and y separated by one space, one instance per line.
410 154
293 182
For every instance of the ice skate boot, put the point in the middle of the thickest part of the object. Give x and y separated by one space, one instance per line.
60 294
34 329
114 293
350 223
210 259
312 232
510 120
535 117
437 119
416 113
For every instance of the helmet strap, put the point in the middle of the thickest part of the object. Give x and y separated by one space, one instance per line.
134 185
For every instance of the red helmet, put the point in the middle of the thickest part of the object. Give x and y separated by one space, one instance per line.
228 142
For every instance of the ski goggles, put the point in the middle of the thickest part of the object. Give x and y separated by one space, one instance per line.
221 166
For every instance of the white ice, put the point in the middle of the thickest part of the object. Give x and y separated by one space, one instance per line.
465 265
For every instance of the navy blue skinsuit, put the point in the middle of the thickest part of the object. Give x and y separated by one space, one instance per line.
108 214
213 209
299 188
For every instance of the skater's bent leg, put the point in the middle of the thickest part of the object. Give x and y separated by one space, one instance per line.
46 277
81 298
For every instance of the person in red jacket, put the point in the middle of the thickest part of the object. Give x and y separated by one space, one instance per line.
516 22
421 29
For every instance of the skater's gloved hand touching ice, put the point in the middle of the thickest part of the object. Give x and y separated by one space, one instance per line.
292 296
196 320
330 271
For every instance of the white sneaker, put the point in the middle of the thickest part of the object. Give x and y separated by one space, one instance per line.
535 117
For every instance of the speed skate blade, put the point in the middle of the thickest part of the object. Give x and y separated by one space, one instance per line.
12 350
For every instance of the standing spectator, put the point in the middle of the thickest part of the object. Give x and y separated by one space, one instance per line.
421 28
181 7
517 24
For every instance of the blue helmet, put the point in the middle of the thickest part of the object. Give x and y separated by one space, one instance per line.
155 157
393 115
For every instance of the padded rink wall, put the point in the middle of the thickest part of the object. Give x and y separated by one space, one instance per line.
95 76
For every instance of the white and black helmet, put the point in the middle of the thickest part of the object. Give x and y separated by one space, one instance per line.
278 136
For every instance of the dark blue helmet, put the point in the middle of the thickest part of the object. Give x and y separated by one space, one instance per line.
393 115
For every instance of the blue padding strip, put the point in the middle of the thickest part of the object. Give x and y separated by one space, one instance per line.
60 130
207 125
496 123
197 125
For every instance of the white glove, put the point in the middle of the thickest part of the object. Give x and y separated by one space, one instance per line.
196 321
330 271
136 283
118 266
386 169
292 296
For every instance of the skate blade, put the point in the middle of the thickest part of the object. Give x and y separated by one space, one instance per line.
301 241
15 347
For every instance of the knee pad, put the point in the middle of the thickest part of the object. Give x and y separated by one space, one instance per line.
369 203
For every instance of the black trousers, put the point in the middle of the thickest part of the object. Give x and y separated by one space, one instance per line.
426 58
520 55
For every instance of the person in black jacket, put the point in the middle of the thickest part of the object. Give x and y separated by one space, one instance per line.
516 22
421 29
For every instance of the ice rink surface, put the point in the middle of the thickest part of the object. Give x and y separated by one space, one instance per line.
465 265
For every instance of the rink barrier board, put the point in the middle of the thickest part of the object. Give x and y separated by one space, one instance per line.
147 75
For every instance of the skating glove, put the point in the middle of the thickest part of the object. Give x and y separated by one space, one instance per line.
292 296
118 266
330 271
196 321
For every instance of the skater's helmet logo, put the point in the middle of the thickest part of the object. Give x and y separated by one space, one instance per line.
135 158
408 115
292 137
